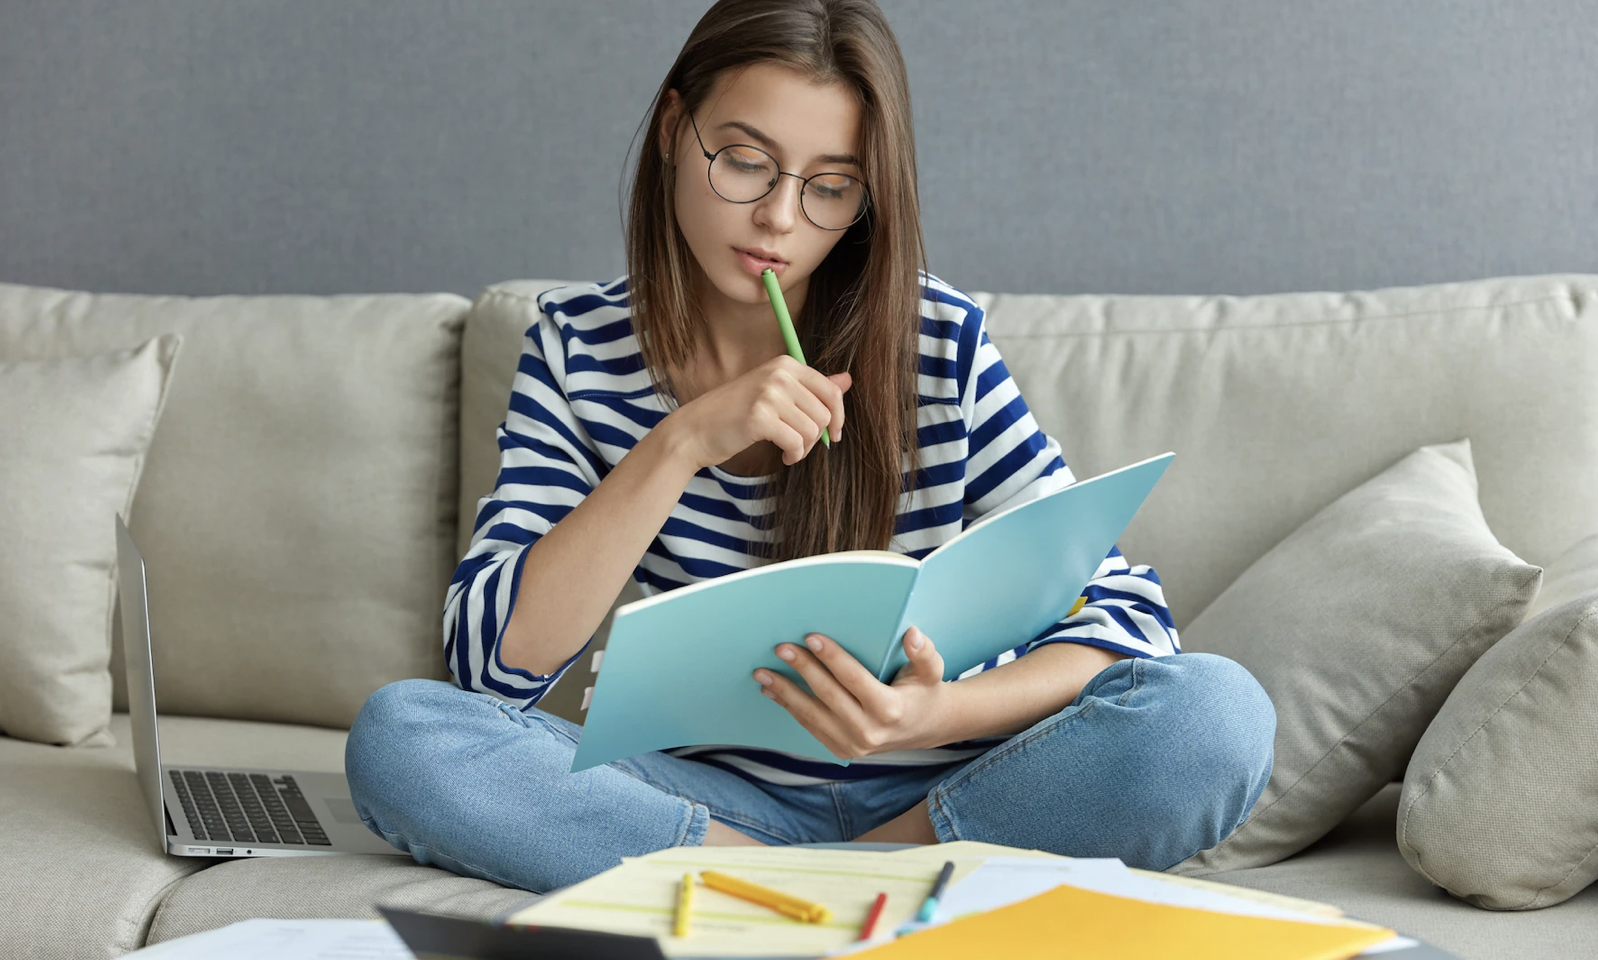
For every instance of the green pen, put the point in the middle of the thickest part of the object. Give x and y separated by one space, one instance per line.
779 306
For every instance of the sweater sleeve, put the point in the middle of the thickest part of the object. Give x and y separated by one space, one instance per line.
547 465
1011 460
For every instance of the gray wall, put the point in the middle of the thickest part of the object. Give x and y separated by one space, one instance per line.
191 146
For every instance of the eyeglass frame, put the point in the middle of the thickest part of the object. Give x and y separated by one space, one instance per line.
803 181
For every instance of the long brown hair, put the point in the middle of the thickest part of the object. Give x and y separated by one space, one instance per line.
862 310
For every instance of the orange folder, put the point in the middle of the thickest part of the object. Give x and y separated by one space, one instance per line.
1086 925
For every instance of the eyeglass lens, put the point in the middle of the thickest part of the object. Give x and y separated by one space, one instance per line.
744 174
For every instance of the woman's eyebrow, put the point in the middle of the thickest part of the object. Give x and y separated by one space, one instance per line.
771 144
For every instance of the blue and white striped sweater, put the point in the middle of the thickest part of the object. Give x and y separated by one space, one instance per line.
582 398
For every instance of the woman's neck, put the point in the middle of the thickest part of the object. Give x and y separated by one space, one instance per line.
741 336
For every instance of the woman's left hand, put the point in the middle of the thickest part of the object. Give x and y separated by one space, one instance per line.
852 712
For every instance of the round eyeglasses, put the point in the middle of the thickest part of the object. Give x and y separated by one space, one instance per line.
741 173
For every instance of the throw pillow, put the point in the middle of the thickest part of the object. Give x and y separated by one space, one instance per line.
1500 803
73 437
1358 624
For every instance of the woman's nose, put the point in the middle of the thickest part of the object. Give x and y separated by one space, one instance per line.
779 209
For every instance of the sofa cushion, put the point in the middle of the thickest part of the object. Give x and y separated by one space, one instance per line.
1500 802
84 870
297 510
1358 625
1358 867
491 347
74 432
309 887
1278 404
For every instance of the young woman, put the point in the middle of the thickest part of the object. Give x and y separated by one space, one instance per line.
658 430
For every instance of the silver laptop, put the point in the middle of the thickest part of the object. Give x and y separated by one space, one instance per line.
225 812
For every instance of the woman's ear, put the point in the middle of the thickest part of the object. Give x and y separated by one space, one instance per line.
670 120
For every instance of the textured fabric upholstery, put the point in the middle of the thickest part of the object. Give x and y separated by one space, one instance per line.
342 886
297 509
1500 803
1276 405
1358 867
490 348
1358 625
82 869
74 437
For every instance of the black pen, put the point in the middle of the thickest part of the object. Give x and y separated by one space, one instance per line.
929 906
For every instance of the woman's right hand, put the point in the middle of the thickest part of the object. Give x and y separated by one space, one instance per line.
782 401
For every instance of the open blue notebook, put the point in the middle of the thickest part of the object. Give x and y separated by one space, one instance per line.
678 668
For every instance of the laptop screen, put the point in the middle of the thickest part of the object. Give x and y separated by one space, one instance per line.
134 602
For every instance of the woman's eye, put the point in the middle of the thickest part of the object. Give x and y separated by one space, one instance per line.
744 161
831 187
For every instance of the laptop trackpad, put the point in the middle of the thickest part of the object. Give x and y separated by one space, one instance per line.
343 809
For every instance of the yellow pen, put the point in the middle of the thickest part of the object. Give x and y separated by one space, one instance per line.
779 306
785 904
685 900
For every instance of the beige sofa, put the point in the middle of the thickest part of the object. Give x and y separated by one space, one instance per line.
315 475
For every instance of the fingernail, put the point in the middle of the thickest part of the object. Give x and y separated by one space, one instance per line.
914 640
766 692
762 677
813 642
786 653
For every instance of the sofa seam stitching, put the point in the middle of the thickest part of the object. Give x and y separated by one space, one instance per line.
1293 325
498 291
509 295
1533 902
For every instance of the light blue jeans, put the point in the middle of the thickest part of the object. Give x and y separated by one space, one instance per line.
1153 762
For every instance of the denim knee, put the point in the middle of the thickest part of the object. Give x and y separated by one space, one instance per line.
1243 731
1225 725
376 749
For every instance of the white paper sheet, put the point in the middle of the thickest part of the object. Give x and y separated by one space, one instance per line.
286 940
1001 881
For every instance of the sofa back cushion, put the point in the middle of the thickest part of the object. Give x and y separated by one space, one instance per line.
297 510
490 350
1275 405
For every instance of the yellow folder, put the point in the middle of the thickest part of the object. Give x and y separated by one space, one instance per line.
1085 925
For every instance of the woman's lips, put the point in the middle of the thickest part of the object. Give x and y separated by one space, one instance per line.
756 266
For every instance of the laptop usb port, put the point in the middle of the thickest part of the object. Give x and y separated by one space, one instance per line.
224 851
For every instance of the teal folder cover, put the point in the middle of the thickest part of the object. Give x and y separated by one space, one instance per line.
678 667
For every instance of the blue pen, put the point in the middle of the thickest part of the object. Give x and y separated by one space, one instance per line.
929 906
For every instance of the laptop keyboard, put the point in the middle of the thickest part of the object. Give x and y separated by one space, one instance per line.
246 808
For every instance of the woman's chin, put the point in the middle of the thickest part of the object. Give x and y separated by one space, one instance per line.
741 288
